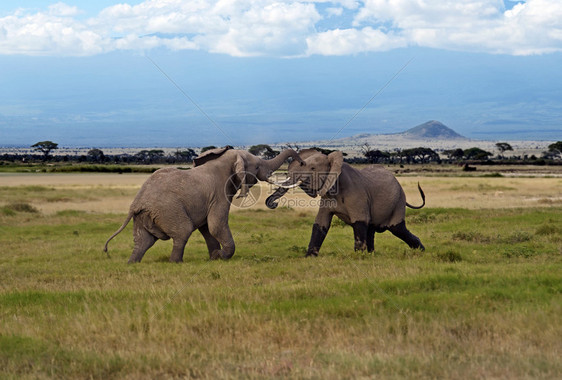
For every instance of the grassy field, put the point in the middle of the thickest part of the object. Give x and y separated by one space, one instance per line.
483 301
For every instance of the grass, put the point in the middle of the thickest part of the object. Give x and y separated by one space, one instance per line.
483 301
50 194
74 168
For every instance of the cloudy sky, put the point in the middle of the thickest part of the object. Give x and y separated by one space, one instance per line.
202 72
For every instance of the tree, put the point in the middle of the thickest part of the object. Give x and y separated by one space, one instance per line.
96 155
454 154
365 148
149 156
421 153
292 146
327 151
185 155
376 156
555 148
476 154
503 146
263 150
206 148
45 147
426 154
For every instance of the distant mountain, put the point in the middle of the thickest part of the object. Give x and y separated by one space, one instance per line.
432 130
432 134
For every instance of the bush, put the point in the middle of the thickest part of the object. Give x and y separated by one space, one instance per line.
548 229
12 208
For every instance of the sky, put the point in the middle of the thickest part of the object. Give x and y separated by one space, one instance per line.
172 73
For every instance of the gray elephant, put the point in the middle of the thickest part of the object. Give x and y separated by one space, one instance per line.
370 200
173 203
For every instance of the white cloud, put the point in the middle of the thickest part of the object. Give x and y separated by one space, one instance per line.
350 41
64 10
475 25
276 29
287 27
48 33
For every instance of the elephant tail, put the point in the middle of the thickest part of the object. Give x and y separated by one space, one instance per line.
129 217
423 198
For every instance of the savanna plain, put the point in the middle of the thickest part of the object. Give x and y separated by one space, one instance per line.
483 301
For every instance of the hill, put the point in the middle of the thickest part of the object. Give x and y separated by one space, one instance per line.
432 130
432 134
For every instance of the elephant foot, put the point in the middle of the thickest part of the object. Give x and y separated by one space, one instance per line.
134 259
409 238
215 255
313 253
226 256
176 260
220 254
360 246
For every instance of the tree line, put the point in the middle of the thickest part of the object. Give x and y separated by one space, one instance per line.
426 155
420 155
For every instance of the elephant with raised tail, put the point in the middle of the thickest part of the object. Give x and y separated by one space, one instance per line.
370 200
173 203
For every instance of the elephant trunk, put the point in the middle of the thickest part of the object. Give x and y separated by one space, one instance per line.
271 201
276 162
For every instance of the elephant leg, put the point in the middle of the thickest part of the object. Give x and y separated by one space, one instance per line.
371 238
178 250
360 232
409 238
319 232
180 239
212 243
218 228
143 241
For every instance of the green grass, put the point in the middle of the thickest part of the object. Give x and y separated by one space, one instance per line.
483 301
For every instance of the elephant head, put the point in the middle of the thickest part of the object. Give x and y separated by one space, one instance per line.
245 168
317 176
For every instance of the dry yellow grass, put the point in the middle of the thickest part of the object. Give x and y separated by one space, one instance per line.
461 192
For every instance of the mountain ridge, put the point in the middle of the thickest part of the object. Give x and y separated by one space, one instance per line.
432 129
432 134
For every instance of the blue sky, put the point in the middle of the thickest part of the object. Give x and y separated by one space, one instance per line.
203 72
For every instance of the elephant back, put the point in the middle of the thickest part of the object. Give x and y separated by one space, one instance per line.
210 155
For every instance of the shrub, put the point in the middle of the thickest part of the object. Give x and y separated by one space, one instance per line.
471 236
12 208
548 229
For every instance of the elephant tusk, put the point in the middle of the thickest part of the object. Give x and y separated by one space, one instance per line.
298 183
269 180
284 186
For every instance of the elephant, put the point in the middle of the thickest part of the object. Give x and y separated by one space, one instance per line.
370 200
173 203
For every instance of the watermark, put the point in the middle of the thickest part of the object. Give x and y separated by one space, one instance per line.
234 187
236 183
304 203
311 180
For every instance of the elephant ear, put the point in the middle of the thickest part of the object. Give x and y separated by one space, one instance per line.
336 162
305 153
210 155
239 169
